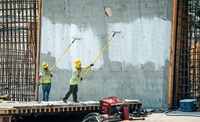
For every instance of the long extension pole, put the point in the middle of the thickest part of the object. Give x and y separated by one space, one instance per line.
64 52
100 53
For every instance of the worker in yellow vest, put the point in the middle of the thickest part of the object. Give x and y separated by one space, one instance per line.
73 88
46 76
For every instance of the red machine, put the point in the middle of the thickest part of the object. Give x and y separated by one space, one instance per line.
112 110
114 107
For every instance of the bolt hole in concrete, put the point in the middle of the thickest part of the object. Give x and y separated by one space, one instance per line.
108 11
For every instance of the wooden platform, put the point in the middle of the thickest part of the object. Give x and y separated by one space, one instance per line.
10 109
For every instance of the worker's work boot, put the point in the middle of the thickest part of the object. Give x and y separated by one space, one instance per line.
76 101
64 100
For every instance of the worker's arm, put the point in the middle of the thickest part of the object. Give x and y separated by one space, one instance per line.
40 75
85 68
51 74
39 80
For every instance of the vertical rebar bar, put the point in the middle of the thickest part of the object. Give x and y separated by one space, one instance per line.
17 48
186 79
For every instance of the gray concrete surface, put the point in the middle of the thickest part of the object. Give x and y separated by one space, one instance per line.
161 117
135 65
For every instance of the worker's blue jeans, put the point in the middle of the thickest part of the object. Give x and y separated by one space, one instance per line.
46 90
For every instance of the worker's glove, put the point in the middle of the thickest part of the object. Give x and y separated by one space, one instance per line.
81 79
91 65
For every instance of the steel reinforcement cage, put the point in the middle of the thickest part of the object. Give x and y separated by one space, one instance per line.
18 40
186 83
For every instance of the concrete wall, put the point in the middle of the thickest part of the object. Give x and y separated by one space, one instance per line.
135 65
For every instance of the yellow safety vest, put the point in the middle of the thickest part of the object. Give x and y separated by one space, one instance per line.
46 77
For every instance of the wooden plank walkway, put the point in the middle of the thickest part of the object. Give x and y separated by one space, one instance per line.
10 109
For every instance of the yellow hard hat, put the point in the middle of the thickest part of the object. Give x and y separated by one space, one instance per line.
44 65
77 64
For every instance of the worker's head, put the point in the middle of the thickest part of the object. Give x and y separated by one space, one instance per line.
44 65
77 64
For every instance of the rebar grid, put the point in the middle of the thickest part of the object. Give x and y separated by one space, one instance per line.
18 35
187 52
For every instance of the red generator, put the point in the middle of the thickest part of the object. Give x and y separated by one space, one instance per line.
114 107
